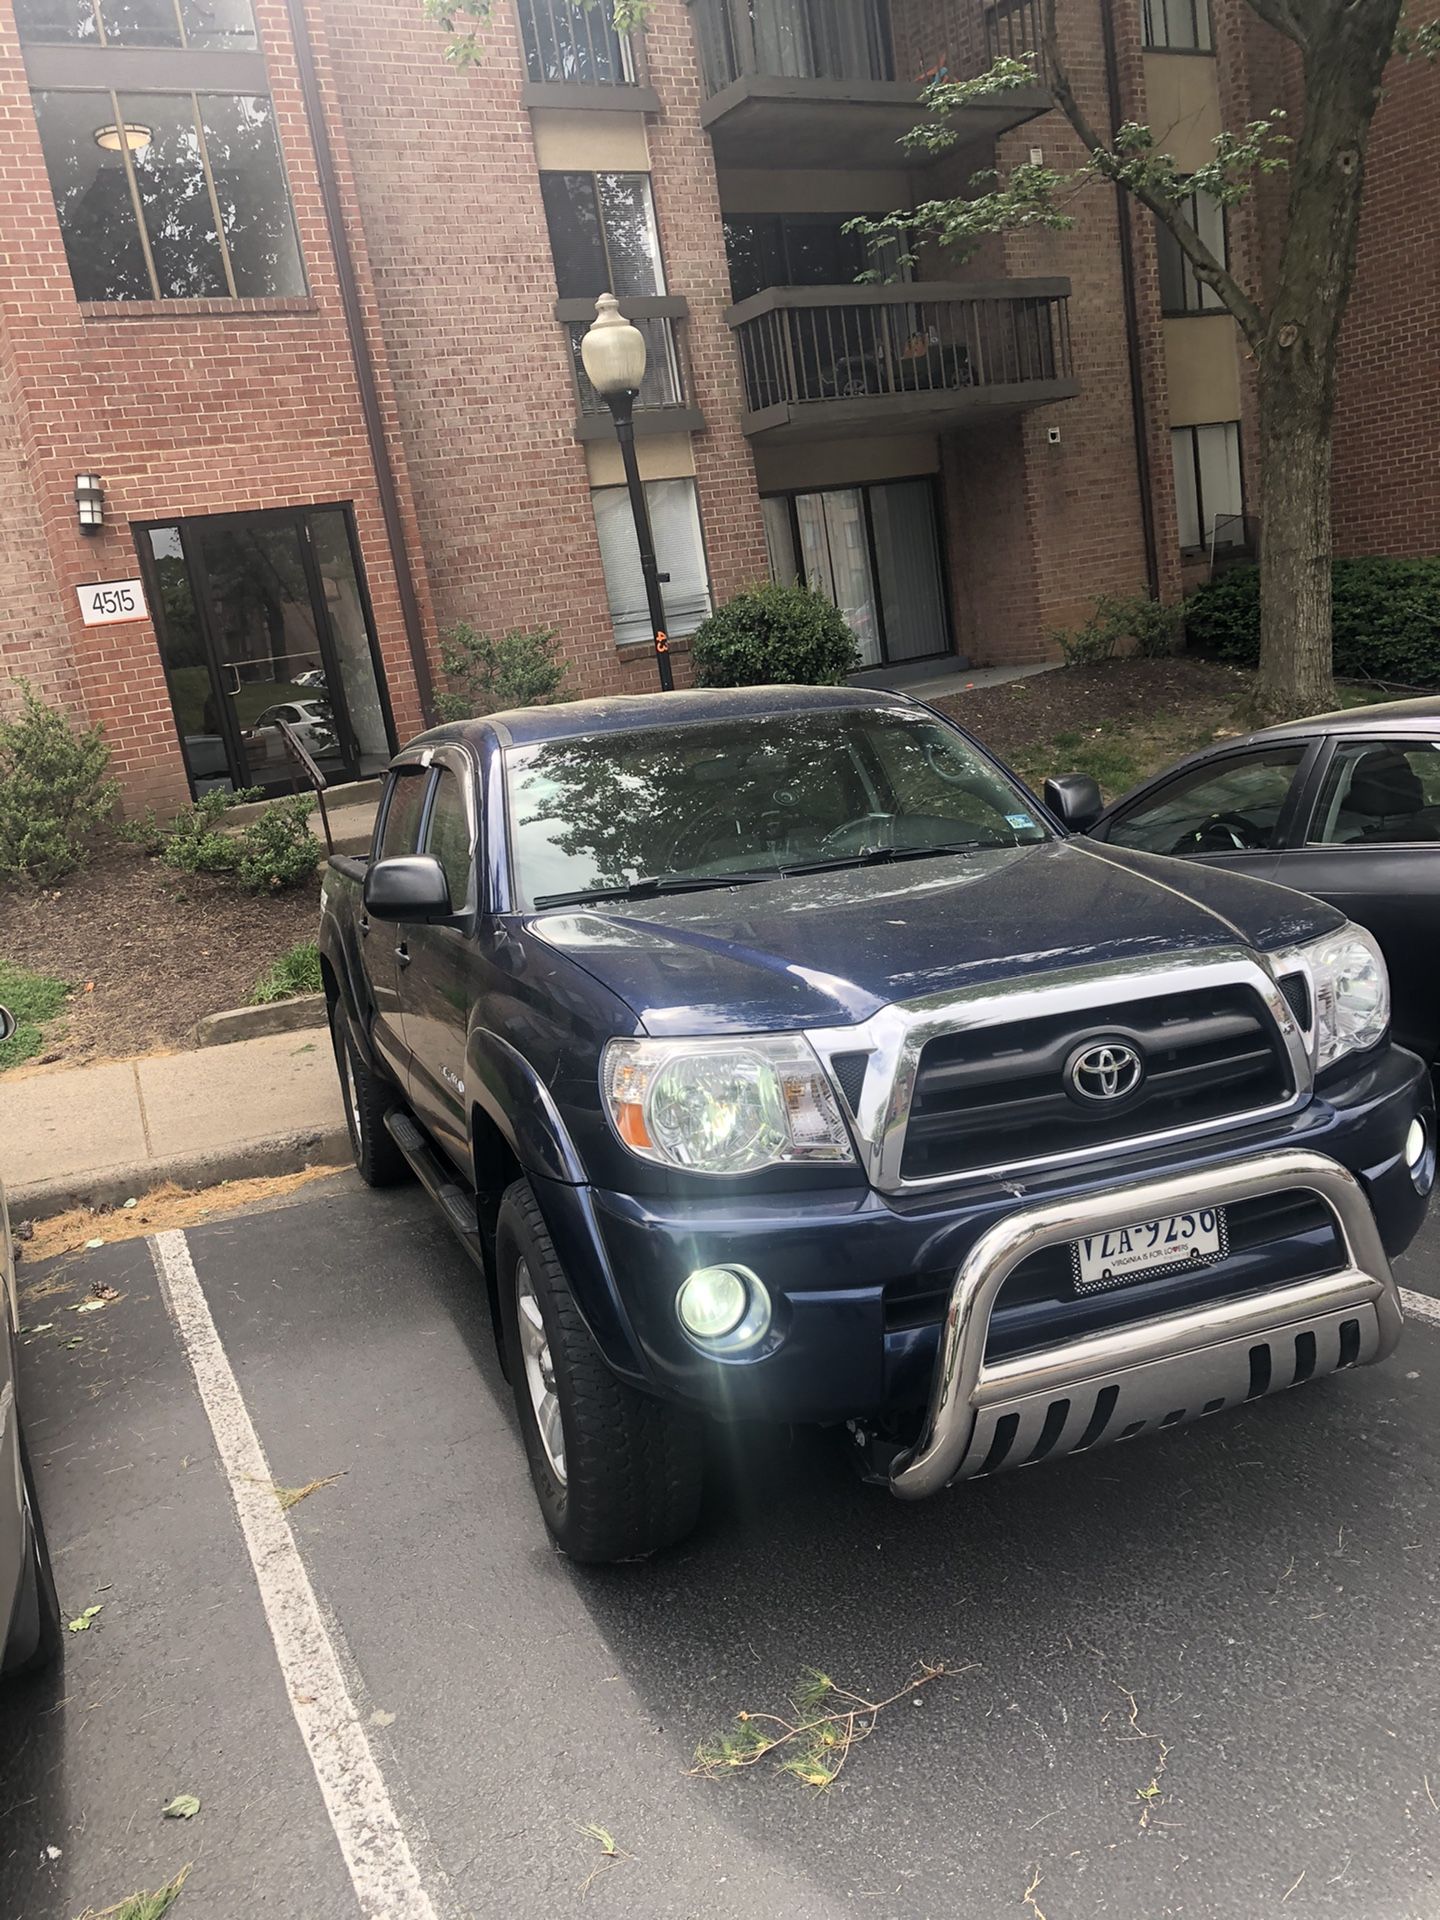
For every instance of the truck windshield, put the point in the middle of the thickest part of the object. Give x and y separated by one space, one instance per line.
722 801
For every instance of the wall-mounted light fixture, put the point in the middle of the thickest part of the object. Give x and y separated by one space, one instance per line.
89 502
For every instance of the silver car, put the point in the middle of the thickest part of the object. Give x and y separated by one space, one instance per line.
29 1610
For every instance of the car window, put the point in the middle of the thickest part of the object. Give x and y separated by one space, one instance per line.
448 837
1232 807
403 810
1379 791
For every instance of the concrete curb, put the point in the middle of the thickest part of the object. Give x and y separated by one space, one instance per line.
249 1160
247 1023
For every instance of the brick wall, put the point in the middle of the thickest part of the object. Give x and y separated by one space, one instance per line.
183 408
1387 469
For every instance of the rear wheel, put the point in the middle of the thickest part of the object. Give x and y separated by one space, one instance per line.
35 1638
368 1099
618 1474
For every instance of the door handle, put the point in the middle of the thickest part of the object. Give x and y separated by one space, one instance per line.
402 954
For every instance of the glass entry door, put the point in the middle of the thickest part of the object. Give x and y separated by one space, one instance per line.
875 552
263 618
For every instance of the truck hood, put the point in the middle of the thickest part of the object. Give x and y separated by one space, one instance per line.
831 949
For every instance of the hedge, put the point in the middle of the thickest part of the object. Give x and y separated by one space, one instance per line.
774 635
1386 619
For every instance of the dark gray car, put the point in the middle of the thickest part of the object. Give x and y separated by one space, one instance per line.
28 1607
1345 806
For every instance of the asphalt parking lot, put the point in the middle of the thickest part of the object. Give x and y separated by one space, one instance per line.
1193 1676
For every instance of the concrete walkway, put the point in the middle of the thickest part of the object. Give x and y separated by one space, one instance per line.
107 1132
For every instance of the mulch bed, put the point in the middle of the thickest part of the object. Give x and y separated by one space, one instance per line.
149 951
1123 693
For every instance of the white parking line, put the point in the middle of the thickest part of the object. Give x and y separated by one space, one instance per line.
1424 1306
372 1841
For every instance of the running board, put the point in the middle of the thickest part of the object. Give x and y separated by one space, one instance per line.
438 1180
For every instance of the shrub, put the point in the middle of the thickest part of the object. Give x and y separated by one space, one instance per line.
491 676
294 973
54 793
1386 619
1130 623
774 635
274 852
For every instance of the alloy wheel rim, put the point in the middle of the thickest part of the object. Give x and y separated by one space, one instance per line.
539 1371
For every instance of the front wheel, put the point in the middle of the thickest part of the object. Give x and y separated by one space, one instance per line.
618 1475
378 1160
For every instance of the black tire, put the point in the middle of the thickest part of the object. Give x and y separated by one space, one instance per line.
367 1099
35 1637
633 1467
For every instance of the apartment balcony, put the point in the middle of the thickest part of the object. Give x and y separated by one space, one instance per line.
832 362
820 83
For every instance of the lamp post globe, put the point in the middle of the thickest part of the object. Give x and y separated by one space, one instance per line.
613 354
613 350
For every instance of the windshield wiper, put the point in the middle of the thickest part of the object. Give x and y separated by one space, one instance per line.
652 884
883 856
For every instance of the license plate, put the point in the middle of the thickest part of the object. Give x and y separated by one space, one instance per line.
1119 1254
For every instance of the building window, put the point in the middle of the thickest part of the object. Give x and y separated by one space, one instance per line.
679 547
1180 291
176 192
1178 26
225 26
170 196
570 44
1209 498
603 234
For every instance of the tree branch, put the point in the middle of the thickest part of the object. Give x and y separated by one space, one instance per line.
1285 18
1109 163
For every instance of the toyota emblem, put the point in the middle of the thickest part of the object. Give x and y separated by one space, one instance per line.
1104 1070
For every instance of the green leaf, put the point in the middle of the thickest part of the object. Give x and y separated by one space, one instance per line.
81 1623
184 1806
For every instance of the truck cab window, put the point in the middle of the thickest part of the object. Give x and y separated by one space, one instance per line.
448 837
406 804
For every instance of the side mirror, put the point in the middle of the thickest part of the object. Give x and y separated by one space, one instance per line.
411 887
7 1024
1075 799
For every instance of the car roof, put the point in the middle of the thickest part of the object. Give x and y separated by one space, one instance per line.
627 712
1402 716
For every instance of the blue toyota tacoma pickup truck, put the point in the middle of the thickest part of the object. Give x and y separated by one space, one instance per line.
778 1056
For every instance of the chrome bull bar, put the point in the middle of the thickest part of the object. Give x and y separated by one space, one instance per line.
1164 1371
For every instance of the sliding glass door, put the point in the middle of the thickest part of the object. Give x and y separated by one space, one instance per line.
875 552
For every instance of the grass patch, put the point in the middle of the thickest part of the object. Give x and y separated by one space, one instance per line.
35 999
1119 756
294 973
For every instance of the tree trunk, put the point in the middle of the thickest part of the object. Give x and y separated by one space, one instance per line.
1296 672
1345 46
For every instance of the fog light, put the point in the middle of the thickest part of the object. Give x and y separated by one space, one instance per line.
712 1302
723 1309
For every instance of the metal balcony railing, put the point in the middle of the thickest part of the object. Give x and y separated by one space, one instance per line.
567 44
808 346
910 42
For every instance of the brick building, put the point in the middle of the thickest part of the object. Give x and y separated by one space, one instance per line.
302 301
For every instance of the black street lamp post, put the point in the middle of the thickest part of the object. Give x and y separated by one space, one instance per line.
614 355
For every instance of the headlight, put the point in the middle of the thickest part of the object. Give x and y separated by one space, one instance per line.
723 1106
1352 994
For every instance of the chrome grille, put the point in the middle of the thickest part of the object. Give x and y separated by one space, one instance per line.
995 1094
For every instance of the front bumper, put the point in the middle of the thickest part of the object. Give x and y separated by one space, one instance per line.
862 1281
1164 1371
